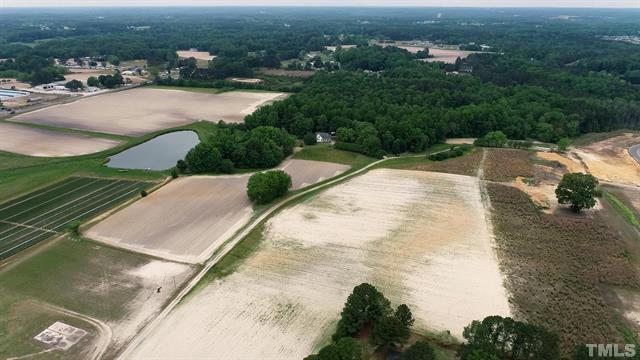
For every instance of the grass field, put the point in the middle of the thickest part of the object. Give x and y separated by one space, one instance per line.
114 286
34 217
326 152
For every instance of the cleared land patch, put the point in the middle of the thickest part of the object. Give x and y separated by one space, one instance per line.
47 212
40 142
505 165
422 238
188 219
609 159
143 110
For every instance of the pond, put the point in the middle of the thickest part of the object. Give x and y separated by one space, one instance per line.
159 153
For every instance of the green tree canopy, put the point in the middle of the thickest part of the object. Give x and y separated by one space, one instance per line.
578 190
419 350
496 337
389 332
266 186
364 307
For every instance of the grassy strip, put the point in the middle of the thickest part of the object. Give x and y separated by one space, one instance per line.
326 152
622 209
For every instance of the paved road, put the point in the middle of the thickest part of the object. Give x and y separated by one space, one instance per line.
635 152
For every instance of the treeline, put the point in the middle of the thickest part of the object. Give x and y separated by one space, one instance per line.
234 147
409 106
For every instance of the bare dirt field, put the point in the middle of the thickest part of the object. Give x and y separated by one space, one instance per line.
460 141
142 110
447 56
307 172
199 55
40 142
609 160
188 219
422 238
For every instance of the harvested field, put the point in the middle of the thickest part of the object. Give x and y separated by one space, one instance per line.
198 55
460 141
40 142
307 172
448 56
188 219
121 112
422 238
609 160
559 267
47 212
505 165
112 286
185 220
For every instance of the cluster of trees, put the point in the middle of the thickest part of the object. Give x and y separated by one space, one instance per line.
263 187
497 338
366 307
409 106
32 69
74 85
494 338
233 146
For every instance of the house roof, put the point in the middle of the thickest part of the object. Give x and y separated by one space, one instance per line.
323 135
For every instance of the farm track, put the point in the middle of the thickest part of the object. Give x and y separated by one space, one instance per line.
226 248
37 216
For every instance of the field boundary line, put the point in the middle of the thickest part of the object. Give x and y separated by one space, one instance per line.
27 226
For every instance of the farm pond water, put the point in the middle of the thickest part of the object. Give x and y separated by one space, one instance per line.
159 153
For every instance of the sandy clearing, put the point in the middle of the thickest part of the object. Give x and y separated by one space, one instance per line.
200 55
143 110
609 160
572 165
460 141
40 142
188 219
155 274
421 237
447 56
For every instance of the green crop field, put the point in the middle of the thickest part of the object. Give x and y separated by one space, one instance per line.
36 216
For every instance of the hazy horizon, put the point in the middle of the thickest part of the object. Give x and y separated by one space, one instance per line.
633 4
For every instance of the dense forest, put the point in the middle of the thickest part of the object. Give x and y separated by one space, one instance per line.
547 76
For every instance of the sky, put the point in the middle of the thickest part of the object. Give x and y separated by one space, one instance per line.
440 3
